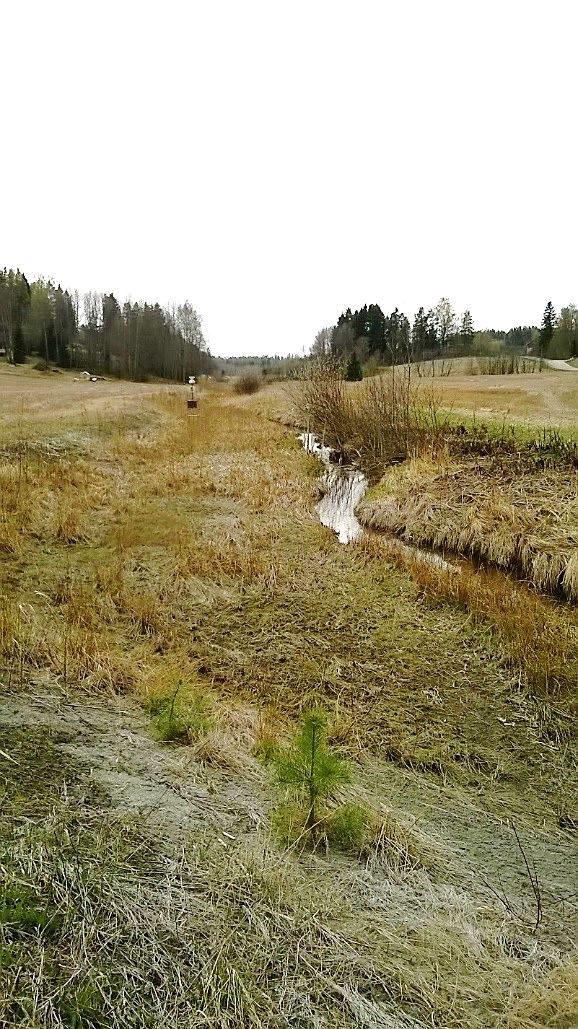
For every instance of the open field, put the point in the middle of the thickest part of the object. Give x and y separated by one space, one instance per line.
549 398
142 884
42 395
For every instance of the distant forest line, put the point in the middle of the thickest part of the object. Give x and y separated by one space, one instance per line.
376 338
92 331
142 340
369 338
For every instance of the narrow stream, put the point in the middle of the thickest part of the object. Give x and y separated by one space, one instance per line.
343 487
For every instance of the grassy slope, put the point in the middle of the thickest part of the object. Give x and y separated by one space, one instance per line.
139 548
512 514
550 398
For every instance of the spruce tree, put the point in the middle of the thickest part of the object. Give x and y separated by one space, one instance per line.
353 370
467 332
419 338
14 306
547 329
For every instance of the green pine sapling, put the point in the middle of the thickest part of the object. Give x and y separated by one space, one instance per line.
308 768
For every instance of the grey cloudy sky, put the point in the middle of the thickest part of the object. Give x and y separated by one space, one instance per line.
276 162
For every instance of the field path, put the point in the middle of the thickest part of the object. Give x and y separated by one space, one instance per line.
561 366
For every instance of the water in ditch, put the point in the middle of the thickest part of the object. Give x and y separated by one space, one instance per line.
343 487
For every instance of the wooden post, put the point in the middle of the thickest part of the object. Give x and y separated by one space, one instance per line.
192 403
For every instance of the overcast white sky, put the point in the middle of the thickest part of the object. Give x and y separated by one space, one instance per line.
277 162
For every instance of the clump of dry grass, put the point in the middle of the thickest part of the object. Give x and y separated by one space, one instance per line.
87 659
514 519
72 648
389 841
537 637
70 520
26 641
548 1001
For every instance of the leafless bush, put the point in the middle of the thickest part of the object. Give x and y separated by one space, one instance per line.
247 384
501 364
381 420
439 367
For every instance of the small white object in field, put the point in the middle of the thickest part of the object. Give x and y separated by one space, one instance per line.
192 380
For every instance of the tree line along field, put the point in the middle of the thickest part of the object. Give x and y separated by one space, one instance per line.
56 327
153 557
139 340
376 338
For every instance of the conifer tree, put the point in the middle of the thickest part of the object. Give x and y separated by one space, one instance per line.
14 305
467 331
353 370
547 329
419 334
308 768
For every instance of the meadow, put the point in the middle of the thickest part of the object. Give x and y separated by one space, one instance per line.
159 560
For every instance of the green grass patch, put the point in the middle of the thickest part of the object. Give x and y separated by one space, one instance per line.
180 714
23 913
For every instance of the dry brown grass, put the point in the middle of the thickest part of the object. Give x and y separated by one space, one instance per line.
550 398
247 936
36 399
515 518
550 1002
538 636
200 557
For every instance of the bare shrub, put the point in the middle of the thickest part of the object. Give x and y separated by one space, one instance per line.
382 420
501 364
247 384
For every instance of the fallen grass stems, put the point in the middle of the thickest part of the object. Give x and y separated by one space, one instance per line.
196 558
106 924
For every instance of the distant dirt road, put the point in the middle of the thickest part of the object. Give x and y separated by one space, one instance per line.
561 366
